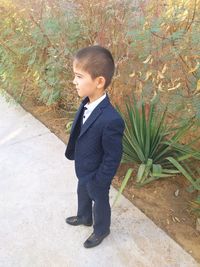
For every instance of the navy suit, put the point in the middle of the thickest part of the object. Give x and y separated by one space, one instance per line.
96 147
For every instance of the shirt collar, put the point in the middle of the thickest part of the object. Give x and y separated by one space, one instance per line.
92 106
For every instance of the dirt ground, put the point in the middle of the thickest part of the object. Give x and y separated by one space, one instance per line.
169 211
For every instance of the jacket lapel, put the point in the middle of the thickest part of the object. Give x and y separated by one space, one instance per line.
94 115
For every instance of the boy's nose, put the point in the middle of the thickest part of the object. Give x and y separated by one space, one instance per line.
74 81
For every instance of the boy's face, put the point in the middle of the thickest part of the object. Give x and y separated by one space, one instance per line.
85 85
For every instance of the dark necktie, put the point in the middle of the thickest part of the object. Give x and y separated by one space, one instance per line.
84 109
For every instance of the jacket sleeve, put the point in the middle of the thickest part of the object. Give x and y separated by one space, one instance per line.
112 148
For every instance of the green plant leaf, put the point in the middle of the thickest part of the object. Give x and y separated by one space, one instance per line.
183 171
124 182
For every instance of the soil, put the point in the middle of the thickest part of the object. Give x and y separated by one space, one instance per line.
168 210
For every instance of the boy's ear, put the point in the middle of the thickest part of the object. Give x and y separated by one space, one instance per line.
101 82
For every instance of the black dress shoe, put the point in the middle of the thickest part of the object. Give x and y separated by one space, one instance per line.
94 240
74 220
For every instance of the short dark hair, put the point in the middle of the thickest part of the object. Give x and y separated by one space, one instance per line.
97 61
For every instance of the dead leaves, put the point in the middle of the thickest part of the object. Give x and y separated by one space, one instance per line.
149 60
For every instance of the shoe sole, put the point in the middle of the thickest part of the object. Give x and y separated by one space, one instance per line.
74 224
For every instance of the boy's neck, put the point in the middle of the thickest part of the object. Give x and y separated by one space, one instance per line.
94 98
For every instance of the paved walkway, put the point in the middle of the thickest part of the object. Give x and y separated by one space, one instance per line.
37 192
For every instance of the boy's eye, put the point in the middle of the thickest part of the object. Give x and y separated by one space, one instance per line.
78 76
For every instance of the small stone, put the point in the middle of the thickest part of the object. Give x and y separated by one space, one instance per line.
198 224
176 193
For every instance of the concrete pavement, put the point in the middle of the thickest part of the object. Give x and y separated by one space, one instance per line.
38 191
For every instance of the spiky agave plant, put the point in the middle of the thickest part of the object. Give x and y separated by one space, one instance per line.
153 145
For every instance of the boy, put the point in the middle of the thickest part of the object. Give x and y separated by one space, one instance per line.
95 141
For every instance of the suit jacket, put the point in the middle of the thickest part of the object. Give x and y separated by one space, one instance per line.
97 147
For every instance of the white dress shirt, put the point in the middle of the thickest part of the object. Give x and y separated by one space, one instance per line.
91 106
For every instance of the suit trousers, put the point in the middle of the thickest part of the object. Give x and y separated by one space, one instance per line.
93 205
